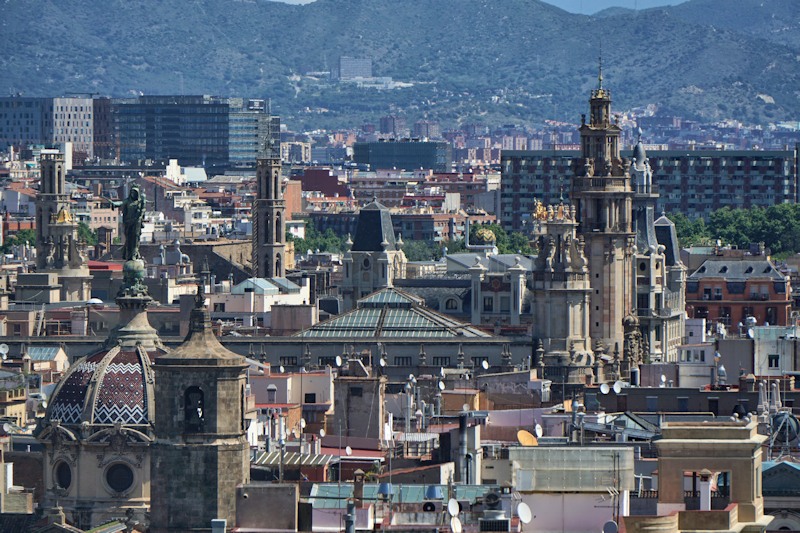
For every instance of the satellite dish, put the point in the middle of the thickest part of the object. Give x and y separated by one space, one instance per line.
485 364
441 371
610 527
321 432
44 404
538 431
382 362
452 507
750 332
3 349
455 525
617 387
465 407
7 429
526 439
281 369
411 378
303 423
524 513
348 451
295 433
663 378
441 385
604 388
338 360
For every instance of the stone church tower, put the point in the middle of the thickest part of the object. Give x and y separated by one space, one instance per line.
601 187
200 454
57 232
269 212
375 258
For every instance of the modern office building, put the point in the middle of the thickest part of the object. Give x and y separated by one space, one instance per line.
249 123
28 121
692 182
404 154
354 67
192 129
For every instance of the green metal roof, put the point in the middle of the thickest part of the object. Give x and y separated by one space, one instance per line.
391 297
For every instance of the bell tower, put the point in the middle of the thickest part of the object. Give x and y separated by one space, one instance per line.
200 454
601 187
269 213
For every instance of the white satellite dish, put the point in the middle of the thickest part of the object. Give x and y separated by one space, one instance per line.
441 371
441 385
455 525
303 423
382 362
617 387
538 431
750 332
3 349
452 507
7 429
465 407
44 404
338 360
321 432
524 513
348 451
663 378
485 364
610 527
604 388
281 369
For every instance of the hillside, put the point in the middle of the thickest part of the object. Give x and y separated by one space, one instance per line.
468 60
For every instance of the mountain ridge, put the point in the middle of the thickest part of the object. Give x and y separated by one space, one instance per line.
468 60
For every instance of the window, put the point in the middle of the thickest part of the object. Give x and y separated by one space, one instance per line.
402 361
272 393
288 360
219 307
683 404
193 410
451 304
774 360
505 304
488 304
441 361
310 397
358 392
119 477
63 475
652 403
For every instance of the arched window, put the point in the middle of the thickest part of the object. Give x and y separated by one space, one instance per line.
277 272
194 410
278 236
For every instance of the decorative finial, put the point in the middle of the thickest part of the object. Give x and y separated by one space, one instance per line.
600 70
200 297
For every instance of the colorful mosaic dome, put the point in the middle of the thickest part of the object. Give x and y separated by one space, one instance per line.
106 388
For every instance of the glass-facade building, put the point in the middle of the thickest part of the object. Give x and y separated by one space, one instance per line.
192 129
405 154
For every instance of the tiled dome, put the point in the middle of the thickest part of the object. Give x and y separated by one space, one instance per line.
109 387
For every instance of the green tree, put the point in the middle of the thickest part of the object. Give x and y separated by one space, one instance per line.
21 237
86 234
315 240
690 232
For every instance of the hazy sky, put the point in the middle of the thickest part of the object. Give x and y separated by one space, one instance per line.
587 7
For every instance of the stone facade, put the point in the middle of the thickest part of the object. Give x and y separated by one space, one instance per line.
201 454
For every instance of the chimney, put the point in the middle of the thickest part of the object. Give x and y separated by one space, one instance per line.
358 487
